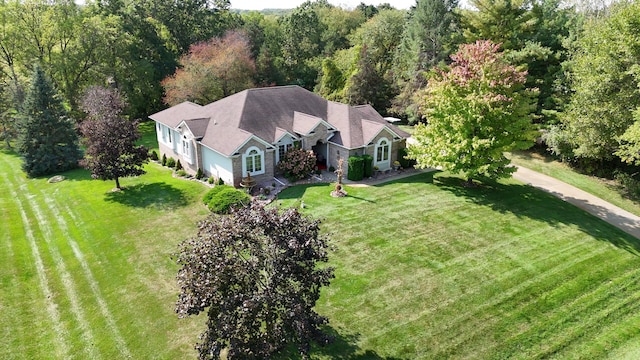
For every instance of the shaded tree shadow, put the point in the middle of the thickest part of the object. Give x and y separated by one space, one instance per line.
360 198
345 347
156 195
424 177
523 200
297 191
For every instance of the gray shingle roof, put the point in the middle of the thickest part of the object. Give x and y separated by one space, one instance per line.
270 112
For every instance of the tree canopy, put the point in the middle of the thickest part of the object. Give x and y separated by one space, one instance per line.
605 81
212 70
110 139
47 139
474 112
257 273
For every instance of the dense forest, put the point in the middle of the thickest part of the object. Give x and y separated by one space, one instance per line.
582 57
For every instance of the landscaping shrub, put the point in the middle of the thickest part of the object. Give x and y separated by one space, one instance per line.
356 168
332 168
153 155
211 193
228 198
164 160
368 165
181 172
171 162
404 162
211 180
178 165
220 181
199 174
296 164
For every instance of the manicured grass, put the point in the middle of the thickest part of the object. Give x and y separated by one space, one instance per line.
604 189
428 269
407 128
86 273
148 135
425 269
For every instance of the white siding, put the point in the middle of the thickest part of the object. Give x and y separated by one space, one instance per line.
217 165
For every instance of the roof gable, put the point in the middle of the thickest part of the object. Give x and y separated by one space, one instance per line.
174 115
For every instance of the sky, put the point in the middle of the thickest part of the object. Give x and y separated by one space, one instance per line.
290 4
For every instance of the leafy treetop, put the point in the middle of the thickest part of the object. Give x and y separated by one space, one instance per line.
256 273
475 111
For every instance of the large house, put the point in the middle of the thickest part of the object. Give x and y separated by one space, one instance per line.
248 133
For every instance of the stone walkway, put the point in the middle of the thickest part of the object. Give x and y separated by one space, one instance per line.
608 212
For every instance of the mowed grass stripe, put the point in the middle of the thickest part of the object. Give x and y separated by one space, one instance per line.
95 288
67 280
429 269
61 343
19 283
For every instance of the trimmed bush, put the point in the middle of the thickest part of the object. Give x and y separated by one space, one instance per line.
227 199
368 165
199 174
153 155
171 162
164 160
356 168
213 192
405 163
181 172
211 180
178 165
220 181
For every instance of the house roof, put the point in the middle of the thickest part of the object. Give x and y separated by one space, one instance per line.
269 113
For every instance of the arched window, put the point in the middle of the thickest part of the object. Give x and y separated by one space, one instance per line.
253 161
382 151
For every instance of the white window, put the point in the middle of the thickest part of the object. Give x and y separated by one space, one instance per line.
253 161
186 149
382 150
282 149
166 134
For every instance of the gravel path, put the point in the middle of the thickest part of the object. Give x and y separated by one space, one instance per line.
608 212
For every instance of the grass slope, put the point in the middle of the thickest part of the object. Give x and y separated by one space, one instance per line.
428 269
86 273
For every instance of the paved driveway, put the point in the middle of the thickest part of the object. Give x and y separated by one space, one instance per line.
608 212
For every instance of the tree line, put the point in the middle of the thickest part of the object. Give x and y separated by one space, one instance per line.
580 56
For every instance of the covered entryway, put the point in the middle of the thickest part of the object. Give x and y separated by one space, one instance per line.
320 150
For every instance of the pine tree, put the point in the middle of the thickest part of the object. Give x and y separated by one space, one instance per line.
430 36
47 140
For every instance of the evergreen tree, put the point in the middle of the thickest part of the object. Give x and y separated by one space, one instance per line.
47 140
112 152
431 35
366 86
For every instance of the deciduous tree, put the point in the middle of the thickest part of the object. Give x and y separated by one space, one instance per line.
47 139
110 139
605 82
475 112
256 273
212 70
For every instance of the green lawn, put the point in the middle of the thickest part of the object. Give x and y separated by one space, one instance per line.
604 189
86 273
425 269
428 269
